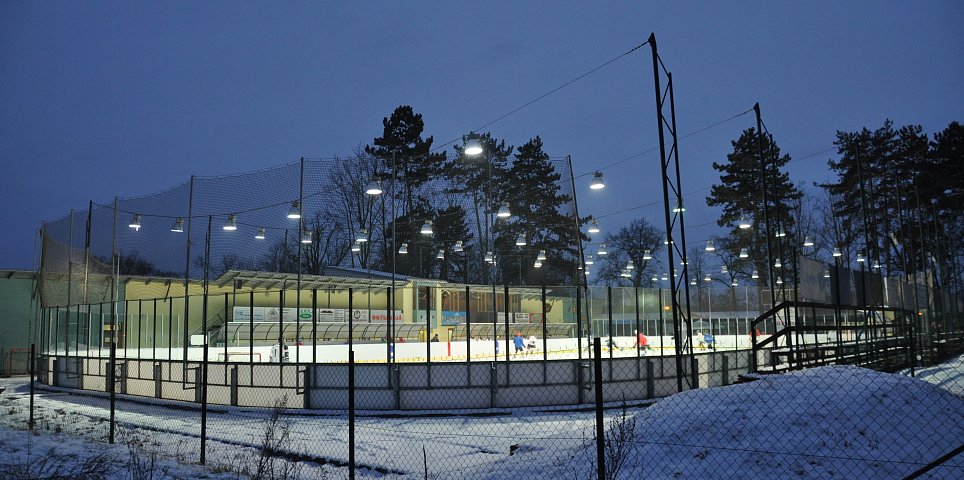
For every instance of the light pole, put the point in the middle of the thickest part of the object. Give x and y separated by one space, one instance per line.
472 147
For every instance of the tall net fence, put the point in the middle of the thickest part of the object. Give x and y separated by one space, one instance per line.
318 347
306 216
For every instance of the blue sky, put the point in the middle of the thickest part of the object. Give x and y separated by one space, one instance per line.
107 98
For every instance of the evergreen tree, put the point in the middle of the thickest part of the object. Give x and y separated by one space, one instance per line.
874 169
483 181
942 184
450 227
402 144
533 193
943 175
740 196
420 260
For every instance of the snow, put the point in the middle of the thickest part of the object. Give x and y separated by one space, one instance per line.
827 422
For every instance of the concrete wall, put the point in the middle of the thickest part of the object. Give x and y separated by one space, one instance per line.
404 386
18 312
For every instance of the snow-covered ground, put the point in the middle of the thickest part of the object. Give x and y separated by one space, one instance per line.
828 422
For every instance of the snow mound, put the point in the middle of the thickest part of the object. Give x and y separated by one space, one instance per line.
826 422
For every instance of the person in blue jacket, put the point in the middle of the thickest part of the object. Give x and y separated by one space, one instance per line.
519 343
709 340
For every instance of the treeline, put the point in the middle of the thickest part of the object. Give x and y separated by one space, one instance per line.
895 205
457 195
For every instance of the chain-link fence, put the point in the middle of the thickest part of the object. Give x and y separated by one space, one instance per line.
452 381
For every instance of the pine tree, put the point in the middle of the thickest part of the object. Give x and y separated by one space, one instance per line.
874 169
450 227
533 193
740 195
942 185
482 180
401 143
406 166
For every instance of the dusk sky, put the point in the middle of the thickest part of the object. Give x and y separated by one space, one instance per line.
103 99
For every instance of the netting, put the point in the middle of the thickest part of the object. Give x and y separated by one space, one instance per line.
180 232
310 354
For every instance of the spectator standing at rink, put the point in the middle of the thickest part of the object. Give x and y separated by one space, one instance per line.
435 338
518 342
531 344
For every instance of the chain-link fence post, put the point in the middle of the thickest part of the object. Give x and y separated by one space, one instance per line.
600 426
351 414
33 362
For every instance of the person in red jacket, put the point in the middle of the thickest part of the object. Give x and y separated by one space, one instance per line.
642 343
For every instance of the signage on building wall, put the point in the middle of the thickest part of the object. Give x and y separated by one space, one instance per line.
275 314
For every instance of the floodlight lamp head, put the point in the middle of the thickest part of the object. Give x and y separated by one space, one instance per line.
402 250
178 225
520 241
602 251
373 188
541 256
744 223
594 226
647 254
306 236
261 234
597 181
472 147
504 211
295 212
426 228
231 224
709 246
459 247
135 222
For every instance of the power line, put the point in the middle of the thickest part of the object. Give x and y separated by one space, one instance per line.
550 92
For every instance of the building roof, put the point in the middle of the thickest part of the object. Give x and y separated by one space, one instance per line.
19 274
272 280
